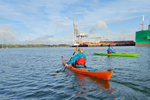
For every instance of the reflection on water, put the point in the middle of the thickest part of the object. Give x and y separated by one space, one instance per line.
121 56
87 85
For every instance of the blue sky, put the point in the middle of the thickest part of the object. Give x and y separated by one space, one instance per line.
50 21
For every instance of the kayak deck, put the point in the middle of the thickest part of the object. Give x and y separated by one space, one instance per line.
118 54
105 75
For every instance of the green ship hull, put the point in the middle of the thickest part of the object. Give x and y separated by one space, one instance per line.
142 38
118 54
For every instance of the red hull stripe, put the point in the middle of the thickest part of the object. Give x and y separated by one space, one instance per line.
143 44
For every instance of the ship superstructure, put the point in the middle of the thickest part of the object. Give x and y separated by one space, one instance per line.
143 37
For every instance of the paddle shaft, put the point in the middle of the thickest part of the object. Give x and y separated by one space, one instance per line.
71 57
113 49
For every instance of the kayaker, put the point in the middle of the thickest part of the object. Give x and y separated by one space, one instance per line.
110 50
78 60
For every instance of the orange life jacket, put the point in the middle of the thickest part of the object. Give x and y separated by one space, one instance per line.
81 61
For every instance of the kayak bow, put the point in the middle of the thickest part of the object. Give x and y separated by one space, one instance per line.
105 75
118 54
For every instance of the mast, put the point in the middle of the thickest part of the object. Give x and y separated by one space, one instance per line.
143 22
149 26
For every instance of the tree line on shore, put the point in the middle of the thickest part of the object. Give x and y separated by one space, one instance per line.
31 45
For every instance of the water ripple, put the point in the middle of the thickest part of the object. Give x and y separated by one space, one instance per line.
37 73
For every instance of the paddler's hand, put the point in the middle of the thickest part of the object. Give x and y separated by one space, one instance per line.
66 65
72 56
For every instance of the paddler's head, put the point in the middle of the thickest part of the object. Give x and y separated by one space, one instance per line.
110 46
81 49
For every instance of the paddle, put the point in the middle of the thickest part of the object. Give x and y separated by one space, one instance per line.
113 49
73 54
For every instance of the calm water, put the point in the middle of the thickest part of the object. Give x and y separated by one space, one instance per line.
37 73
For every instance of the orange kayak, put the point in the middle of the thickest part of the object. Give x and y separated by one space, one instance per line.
105 75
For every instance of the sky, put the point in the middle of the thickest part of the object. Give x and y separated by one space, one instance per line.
51 21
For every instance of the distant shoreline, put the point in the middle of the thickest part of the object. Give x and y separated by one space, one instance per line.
4 46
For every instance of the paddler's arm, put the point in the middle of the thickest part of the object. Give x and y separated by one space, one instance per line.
76 57
113 50
108 50
85 58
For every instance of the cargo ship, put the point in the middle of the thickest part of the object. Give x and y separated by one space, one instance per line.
142 37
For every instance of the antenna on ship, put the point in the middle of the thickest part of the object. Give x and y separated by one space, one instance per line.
149 26
143 22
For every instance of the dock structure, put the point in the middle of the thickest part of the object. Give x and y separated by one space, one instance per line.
107 43
98 41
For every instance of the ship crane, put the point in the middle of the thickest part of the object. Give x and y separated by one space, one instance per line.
78 37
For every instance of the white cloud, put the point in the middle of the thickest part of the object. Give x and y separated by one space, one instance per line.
92 30
7 35
101 24
40 40
38 18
